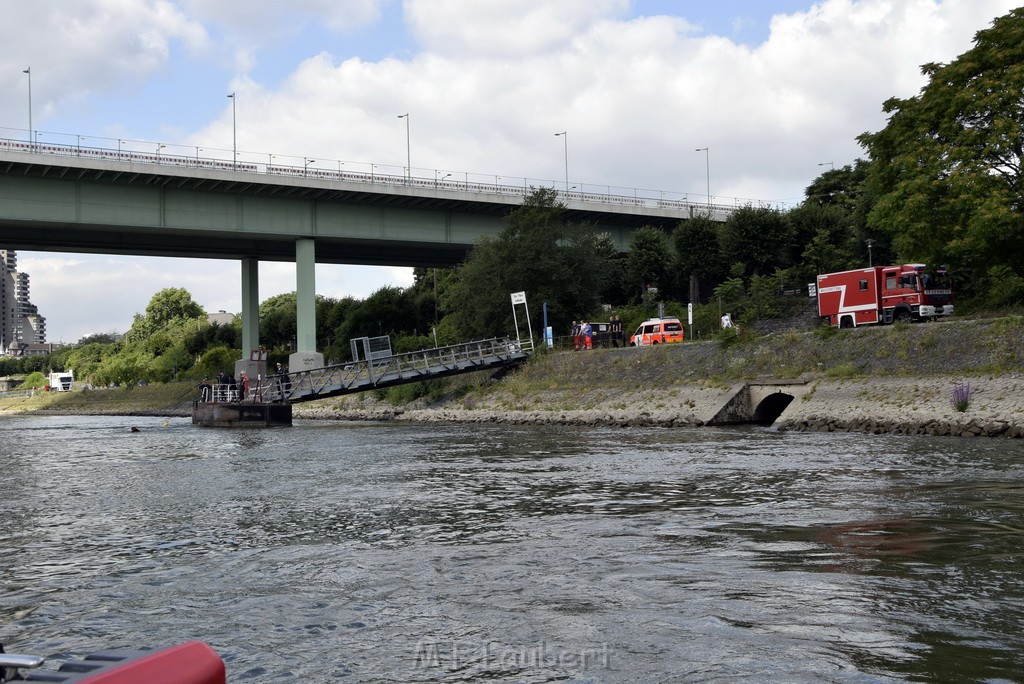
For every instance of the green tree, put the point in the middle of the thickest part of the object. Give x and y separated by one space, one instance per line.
649 262
84 359
170 304
330 337
697 254
840 187
167 305
388 311
101 338
538 252
823 255
277 321
214 360
34 380
946 169
758 237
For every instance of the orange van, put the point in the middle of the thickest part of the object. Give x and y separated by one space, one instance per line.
657 331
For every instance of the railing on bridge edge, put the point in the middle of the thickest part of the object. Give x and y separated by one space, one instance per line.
691 209
408 367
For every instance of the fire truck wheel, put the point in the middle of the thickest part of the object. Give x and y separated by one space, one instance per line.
903 316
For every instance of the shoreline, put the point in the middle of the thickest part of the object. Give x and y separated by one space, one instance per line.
896 379
910 405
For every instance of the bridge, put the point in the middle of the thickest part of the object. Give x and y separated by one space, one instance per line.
77 198
113 200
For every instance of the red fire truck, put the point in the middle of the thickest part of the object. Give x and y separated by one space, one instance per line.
884 294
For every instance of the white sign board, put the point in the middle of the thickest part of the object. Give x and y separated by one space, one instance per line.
518 297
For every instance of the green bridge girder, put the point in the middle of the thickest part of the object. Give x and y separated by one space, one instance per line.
54 199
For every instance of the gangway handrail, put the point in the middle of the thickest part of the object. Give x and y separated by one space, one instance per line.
406 367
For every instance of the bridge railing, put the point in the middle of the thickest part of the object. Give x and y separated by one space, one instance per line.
421 364
461 182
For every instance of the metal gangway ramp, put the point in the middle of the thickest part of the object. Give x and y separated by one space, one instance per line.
348 378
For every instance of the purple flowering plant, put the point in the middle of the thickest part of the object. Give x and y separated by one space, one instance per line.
961 399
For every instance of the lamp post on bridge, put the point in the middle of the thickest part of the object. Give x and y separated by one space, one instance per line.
408 149
29 72
305 165
565 145
707 171
234 133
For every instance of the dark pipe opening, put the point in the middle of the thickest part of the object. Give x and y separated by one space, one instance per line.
771 407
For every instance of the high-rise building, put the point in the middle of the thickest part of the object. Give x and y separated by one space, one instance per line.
20 322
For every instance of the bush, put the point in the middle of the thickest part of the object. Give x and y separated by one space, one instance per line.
35 379
728 337
843 371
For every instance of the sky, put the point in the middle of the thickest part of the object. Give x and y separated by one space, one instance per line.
776 90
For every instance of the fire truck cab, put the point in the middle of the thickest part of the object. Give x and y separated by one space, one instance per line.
884 294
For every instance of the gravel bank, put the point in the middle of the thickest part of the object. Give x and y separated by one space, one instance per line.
894 379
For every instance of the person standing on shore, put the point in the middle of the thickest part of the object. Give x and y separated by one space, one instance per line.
616 330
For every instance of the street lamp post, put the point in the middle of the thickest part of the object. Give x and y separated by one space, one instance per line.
29 72
565 145
707 170
305 165
158 148
869 242
408 148
831 165
234 132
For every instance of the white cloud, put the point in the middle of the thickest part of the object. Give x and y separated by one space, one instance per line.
78 47
504 28
263 21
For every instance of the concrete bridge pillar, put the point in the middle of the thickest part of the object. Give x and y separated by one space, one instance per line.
305 356
250 317
250 305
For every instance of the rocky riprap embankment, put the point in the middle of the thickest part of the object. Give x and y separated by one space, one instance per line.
895 379
970 427
912 406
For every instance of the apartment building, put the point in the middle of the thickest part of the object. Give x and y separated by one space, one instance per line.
20 322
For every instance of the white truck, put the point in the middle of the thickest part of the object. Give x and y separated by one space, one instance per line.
61 382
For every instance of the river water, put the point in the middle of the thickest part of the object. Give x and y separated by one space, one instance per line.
398 552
